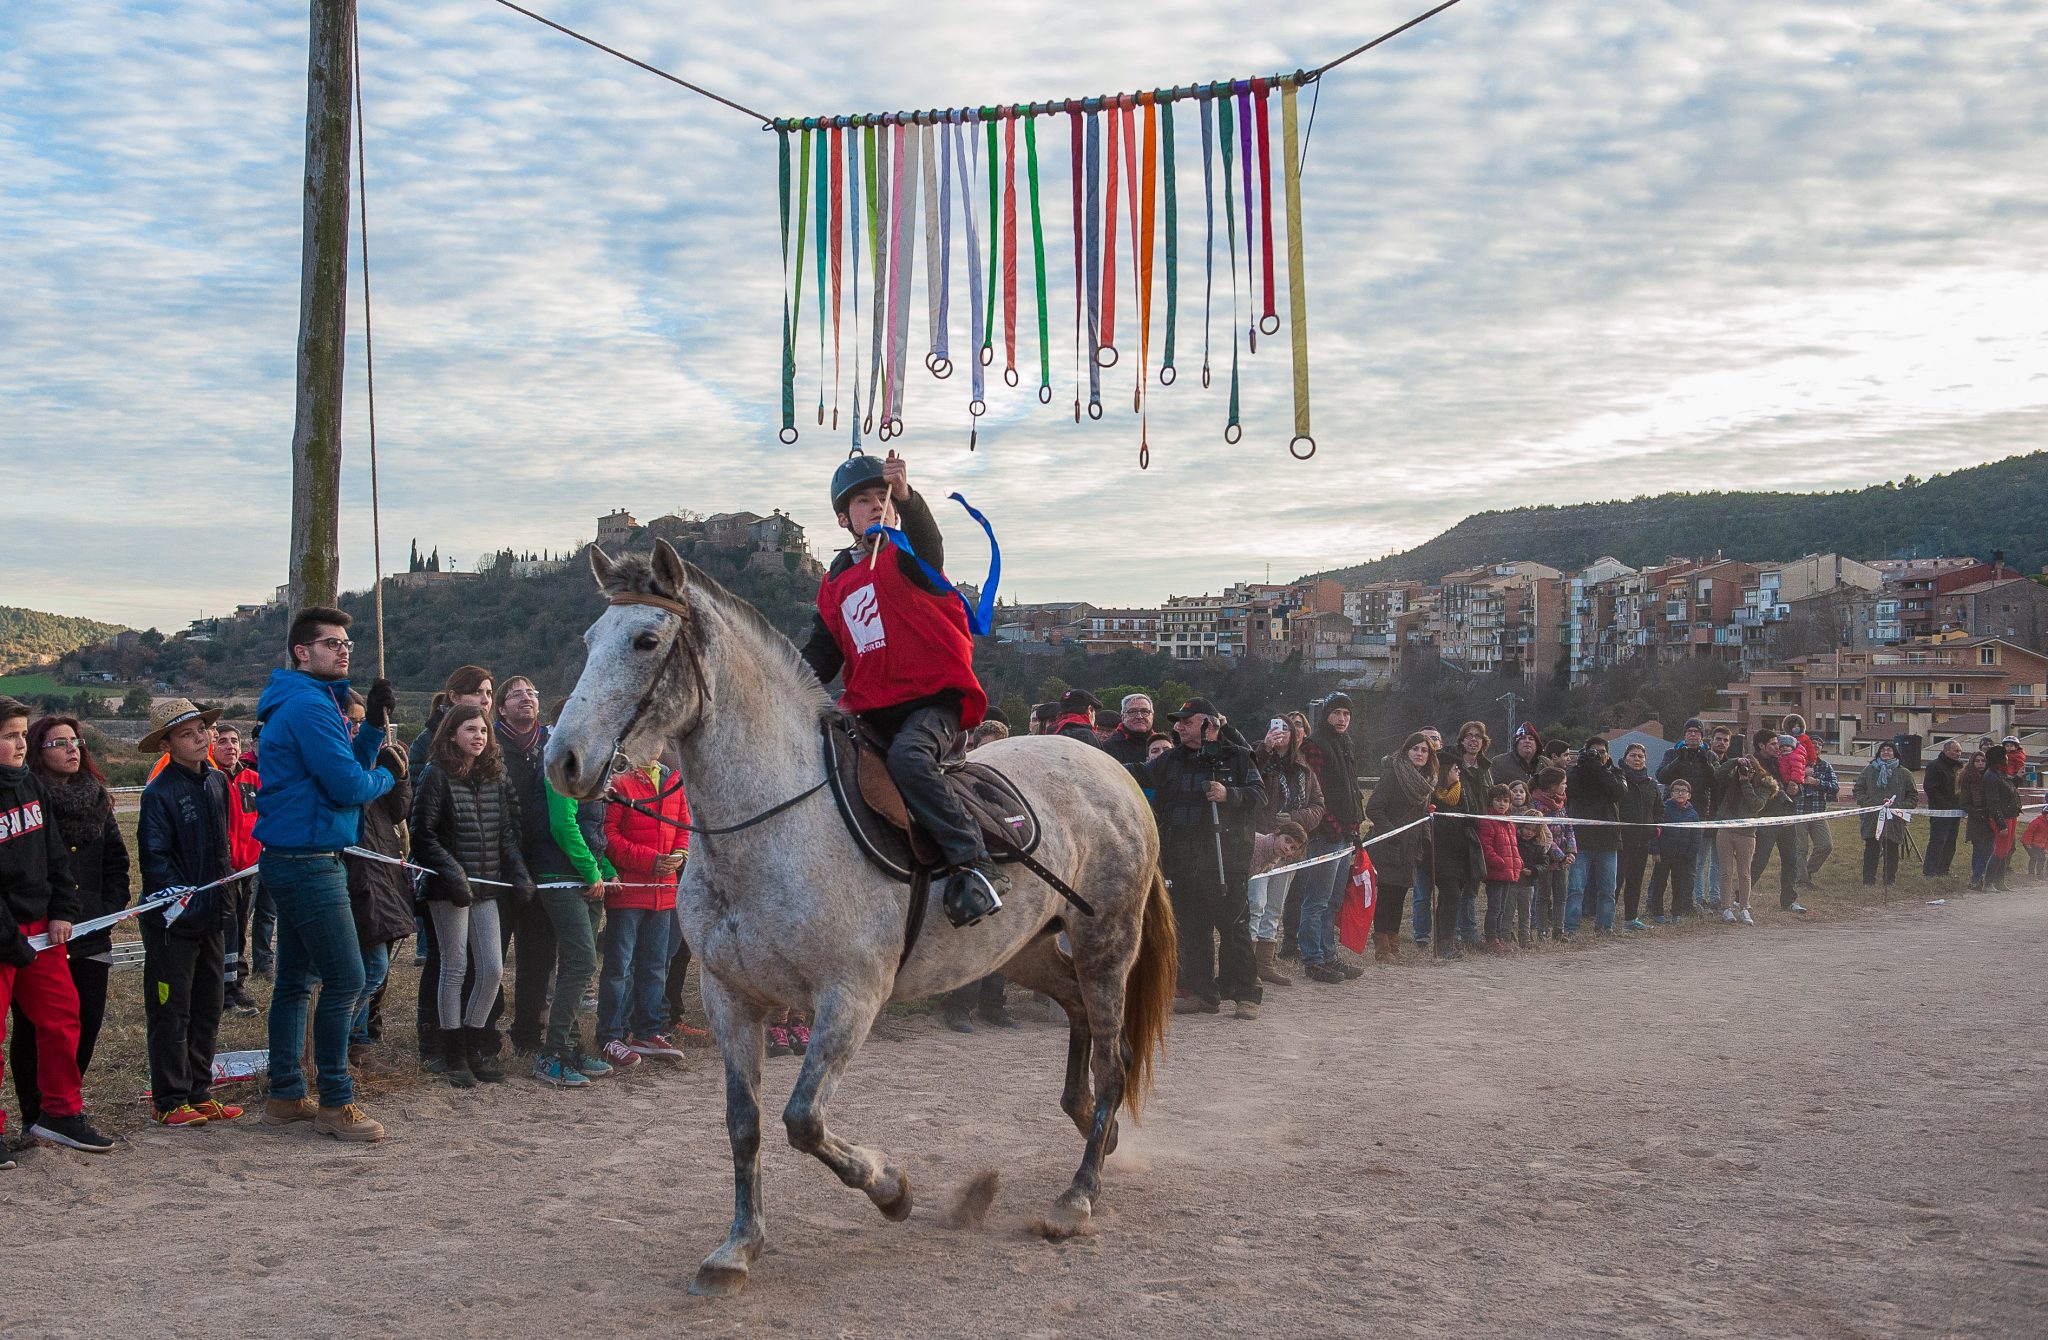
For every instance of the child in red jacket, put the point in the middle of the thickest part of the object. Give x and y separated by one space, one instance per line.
648 850
2035 840
1497 842
239 767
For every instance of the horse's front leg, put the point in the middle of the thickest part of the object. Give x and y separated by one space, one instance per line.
841 1026
736 1022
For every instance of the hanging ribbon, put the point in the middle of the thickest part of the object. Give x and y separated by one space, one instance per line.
1244 170
1232 431
837 160
1038 263
803 218
1094 266
900 265
788 433
1262 100
934 251
941 360
853 217
1297 302
1209 213
1127 108
988 319
876 147
1106 351
966 140
1074 180
819 257
1144 250
980 618
1010 248
1166 369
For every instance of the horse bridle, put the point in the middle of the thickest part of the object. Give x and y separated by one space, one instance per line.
620 763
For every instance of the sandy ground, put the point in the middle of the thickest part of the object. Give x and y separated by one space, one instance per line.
1804 1130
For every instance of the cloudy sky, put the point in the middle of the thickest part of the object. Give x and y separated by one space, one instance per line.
1555 252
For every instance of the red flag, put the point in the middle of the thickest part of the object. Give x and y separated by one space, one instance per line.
1354 915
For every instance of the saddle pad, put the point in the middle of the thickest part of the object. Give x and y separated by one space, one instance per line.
873 809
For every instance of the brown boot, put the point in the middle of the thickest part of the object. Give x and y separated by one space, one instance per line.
1246 1009
348 1122
286 1111
1386 947
1269 970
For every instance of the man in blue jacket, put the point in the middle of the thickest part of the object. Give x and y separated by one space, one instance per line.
316 781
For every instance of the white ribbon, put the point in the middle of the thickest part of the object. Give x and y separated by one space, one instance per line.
172 901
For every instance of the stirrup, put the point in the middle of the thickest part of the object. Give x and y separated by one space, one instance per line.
969 897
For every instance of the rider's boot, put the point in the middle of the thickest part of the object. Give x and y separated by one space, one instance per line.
974 891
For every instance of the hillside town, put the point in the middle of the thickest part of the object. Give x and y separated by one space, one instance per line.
1863 651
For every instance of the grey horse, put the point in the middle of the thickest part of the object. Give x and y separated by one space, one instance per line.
787 912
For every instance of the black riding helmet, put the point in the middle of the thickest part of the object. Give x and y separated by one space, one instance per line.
854 474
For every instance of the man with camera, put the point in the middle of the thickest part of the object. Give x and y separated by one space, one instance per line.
1207 795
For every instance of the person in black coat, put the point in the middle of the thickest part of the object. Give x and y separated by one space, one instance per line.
1131 741
1944 792
76 796
1643 804
1594 790
1207 796
529 932
380 896
182 842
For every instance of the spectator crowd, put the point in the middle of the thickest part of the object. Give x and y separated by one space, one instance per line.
319 846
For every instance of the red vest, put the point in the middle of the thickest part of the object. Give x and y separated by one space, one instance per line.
900 641
242 843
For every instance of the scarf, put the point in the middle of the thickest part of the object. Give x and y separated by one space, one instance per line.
1411 786
1884 768
80 805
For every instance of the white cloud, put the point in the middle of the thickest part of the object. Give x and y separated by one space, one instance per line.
1554 253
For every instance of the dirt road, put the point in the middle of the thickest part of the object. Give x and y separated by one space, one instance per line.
1810 1130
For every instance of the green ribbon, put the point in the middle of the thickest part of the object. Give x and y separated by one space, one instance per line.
988 323
1038 262
1166 371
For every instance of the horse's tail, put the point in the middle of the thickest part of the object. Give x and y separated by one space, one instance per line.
1148 992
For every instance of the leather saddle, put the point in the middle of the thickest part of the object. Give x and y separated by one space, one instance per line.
872 806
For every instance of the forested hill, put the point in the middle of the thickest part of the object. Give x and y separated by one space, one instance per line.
2003 505
30 636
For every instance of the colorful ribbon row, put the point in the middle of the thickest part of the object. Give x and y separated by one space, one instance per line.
893 157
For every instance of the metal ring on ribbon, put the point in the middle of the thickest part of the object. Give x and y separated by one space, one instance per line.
1205 376
1144 456
1009 376
788 436
883 434
1272 318
1106 356
1233 434
1302 455
1167 375
941 368
868 426
895 428
1095 409
1045 396
977 407
988 354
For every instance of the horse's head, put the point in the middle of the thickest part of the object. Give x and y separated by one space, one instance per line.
643 676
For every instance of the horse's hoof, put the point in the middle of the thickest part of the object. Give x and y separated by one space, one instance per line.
1069 1217
891 1195
718 1281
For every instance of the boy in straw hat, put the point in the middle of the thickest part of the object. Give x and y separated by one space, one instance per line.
182 842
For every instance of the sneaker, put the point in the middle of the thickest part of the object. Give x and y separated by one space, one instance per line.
286 1111
778 1040
588 1005
1352 972
73 1132
955 1019
240 1002
619 1055
1660 921
593 1067
800 1038
1747 920
1635 924
1000 1017
655 1044
7 1164
1728 914
1321 972
350 1123
1796 910
692 1037
1246 1009
559 1072
180 1117
215 1110
1197 1005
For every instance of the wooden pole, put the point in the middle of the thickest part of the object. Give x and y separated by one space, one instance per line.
323 298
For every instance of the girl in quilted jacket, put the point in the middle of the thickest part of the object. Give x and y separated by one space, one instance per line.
1503 855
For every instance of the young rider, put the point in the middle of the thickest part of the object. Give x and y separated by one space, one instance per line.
902 646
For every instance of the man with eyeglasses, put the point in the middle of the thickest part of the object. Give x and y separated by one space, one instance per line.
316 780
1132 739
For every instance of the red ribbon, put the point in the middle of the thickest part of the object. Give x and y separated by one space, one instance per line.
837 165
1144 251
1260 95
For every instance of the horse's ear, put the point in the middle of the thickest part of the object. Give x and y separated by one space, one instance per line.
600 566
669 569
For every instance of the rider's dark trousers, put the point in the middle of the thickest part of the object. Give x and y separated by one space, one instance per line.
918 740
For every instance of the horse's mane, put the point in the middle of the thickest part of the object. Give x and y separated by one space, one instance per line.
633 574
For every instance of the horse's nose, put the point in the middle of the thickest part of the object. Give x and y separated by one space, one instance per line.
572 771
